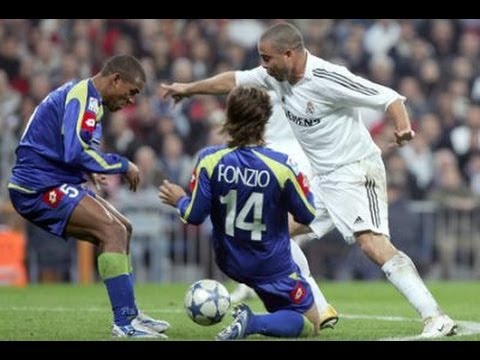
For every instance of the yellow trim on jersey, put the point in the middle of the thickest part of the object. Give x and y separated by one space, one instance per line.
100 113
80 93
208 163
283 173
294 276
20 188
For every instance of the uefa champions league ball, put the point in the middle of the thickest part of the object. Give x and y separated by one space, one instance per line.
206 302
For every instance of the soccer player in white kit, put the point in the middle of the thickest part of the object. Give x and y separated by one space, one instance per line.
321 101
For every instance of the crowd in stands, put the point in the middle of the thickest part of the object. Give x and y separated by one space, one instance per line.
435 63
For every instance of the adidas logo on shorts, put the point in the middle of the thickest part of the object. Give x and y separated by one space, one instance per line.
358 220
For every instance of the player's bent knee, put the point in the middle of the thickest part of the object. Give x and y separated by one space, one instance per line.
114 237
129 228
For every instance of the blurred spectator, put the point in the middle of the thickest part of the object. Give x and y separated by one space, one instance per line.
355 55
176 165
465 138
419 159
10 55
68 70
21 82
429 74
40 86
9 97
381 68
382 36
47 58
456 203
245 32
84 57
120 138
430 127
443 33
473 173
417 103
400 174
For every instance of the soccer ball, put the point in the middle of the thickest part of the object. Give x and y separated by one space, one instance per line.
206 302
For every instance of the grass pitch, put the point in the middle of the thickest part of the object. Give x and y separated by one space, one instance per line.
368 311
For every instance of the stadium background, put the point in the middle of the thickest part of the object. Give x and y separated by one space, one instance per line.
434 182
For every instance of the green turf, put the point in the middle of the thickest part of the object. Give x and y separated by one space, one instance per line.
72 312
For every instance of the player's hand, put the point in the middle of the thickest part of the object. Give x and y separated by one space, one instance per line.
169 193
403 136
177 91
98 180
132 176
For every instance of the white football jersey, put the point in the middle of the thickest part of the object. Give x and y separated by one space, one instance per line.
280 137
323 111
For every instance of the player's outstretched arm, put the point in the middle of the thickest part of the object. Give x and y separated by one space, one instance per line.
216 85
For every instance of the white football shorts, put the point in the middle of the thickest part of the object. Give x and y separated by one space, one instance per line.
352 198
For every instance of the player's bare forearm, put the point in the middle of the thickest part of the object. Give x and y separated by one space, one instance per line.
403 128
216 85
170 193
398 114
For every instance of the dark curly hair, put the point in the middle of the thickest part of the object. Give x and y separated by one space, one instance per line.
248 110
129 68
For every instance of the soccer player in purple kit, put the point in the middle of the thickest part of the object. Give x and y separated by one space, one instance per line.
248 190
58 148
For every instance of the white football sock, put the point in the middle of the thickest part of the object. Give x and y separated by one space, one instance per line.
401 272
305 238
301 261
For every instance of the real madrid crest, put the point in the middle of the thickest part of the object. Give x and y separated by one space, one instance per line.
310 109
